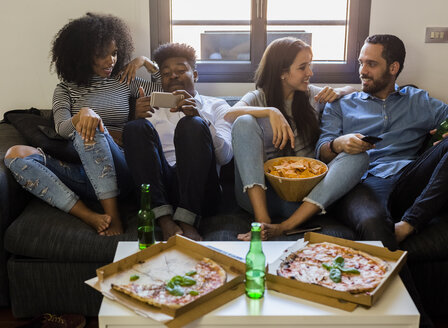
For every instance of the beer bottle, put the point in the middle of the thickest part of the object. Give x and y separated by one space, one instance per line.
441 130
145 222
255 264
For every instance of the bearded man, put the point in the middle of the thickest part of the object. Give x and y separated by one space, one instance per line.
403 189
382 206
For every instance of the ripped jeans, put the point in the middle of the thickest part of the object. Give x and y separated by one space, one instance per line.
61 184
252 145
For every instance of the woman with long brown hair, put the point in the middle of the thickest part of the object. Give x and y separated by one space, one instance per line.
281 118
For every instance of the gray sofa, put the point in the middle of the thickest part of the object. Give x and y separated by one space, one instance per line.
47 254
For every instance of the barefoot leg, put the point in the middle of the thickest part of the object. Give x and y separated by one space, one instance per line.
99 222
257 197
110 206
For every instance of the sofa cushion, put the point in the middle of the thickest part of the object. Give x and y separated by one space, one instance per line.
39 131
44 232
41 286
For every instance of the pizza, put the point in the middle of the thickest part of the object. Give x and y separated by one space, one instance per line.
333 266
206 276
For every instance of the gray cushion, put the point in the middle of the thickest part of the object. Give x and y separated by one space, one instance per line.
39 132
44 232
40 286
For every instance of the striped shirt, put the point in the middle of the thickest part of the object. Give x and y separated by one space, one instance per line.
105 96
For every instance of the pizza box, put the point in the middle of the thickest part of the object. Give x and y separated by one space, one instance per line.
161 262
327 296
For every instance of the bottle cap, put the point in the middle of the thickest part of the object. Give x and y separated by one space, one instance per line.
145 187
256 226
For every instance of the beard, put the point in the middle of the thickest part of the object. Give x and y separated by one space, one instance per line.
377 85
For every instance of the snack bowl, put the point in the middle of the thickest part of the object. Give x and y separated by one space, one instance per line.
293 189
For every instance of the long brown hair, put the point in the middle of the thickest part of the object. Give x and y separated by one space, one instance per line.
276 60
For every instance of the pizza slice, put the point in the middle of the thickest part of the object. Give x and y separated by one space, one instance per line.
206 276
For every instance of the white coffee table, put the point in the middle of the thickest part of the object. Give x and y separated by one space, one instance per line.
395 308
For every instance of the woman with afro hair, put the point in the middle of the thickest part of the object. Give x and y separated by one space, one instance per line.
90 108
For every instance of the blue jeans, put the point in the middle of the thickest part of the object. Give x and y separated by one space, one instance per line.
188 190
250 139
415 194
61 184
421 191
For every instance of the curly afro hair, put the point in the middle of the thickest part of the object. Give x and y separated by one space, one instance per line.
77 44
170 50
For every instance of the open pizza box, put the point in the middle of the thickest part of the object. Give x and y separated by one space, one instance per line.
161 262
339 299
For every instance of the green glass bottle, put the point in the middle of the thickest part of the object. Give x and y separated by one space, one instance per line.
441 130
146 236
255 264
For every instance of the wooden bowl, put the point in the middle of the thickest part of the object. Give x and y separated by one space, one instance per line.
292 189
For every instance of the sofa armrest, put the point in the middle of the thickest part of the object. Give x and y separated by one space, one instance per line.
13 198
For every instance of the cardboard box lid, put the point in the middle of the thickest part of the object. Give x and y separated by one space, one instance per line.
159 258
395 260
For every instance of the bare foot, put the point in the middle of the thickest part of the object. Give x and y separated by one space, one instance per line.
115 228
402 230
190 231
269 230
244 236
99 222
169 227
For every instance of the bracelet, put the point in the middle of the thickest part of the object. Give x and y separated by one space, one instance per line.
332 148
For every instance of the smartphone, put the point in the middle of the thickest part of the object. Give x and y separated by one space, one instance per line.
371 139
293 232
165 99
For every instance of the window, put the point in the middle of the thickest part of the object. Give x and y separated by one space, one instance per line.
230 36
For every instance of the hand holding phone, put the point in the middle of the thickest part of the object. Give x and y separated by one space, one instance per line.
165 99
371 139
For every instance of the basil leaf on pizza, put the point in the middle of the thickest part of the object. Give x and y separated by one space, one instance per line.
134 277
337 269
335 274
179 290
334 266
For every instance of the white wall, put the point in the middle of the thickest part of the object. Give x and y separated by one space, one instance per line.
27 28
426 64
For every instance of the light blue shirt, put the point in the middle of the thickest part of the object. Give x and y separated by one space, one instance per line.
403 120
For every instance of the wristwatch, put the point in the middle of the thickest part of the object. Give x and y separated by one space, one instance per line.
332 148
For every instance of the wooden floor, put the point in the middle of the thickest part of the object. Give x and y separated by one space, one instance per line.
8 321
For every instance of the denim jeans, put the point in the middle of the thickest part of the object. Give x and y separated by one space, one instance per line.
187 190
61 184
364 210
416 194
251 137
421 191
